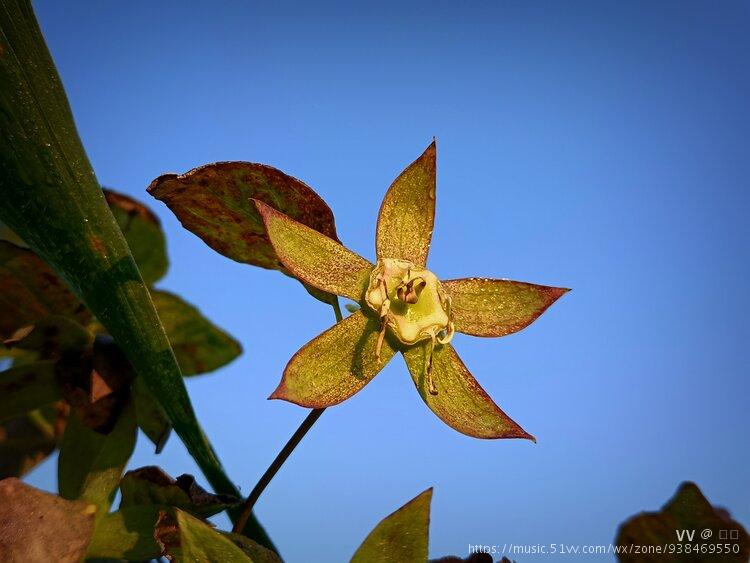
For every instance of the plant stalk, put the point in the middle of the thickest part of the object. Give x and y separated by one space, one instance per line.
252 498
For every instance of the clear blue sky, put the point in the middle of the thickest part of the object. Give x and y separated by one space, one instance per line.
598 146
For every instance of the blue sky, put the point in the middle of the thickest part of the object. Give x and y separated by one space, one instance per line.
598 146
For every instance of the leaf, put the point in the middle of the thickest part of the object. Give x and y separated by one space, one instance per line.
253 550
486 307
460 401
30 291
150 485
91 464
183 537
687 510
27 440
37 526
401 536
126 534
27 387
52 337
200 346
150 416
52 200
143 232
407 214
316 259
214 202
335 365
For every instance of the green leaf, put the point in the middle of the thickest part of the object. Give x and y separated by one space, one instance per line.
30 291
460 401
150 416
91 464
200 346
27 387
150 485
316 259
27 440
401 536
183 537
142 230
335 365
253 550
38 526
214 202
487 307
407 214
126 534
687 510
52 200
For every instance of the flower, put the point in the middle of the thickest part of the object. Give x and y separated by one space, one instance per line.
404 308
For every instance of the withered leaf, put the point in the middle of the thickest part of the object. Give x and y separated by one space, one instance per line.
214 202
150 485
143 232
25 441
27 387
51 337
30 290
688 510
38 526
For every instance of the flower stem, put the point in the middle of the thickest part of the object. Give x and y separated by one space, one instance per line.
247 506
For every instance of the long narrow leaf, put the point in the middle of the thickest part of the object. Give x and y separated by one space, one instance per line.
52 200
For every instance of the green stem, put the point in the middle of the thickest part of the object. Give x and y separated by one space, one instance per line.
247 506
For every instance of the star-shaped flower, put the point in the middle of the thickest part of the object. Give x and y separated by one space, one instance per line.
404 307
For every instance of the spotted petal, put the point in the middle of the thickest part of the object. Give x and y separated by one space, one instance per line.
486 307
335 365
313 257
408 212
460 401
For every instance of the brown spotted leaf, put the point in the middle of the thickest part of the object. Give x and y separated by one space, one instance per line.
200 346
150 485
402 536
27 387
27 440
252 549
142 230
214 202
38 526
688 510
30 290
488 307
185 538
407 213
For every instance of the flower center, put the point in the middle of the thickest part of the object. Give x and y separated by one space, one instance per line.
412 304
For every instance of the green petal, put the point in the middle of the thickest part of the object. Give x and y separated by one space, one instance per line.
408 212
214 202
460 402
486 307
335 365
38 526
142 230
314 258
401 536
